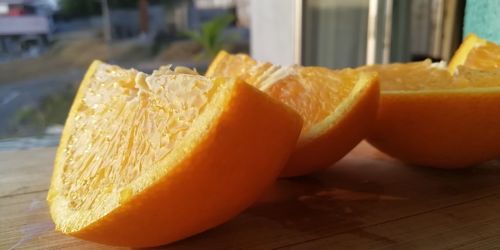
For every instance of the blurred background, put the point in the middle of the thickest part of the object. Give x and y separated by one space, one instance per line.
46 45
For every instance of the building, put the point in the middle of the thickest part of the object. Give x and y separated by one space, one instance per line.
338 34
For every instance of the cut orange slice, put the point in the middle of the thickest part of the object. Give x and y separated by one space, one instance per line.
476 53
427 117
338 107
146 160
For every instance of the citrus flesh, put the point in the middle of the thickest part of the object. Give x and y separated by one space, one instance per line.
146 160
337 107
476 53
428 117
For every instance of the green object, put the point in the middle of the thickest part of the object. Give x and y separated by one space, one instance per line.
482 17
210 35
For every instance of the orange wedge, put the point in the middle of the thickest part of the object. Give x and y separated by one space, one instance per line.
338 107
146 160
427 117
476 53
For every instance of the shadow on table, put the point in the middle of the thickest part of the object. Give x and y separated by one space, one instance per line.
365 188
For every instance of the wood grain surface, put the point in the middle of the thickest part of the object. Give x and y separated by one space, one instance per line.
366 201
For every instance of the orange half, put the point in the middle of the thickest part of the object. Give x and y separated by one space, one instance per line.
428 117
338 107
146 160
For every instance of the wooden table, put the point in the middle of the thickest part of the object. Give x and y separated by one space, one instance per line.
366 201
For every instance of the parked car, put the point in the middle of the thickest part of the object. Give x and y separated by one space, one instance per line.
25 27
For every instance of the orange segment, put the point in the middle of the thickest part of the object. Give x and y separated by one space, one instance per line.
337 106
314 92
411 76
146 160
426 117
471 78
476 53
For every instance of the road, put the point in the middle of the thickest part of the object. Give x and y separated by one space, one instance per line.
17 95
